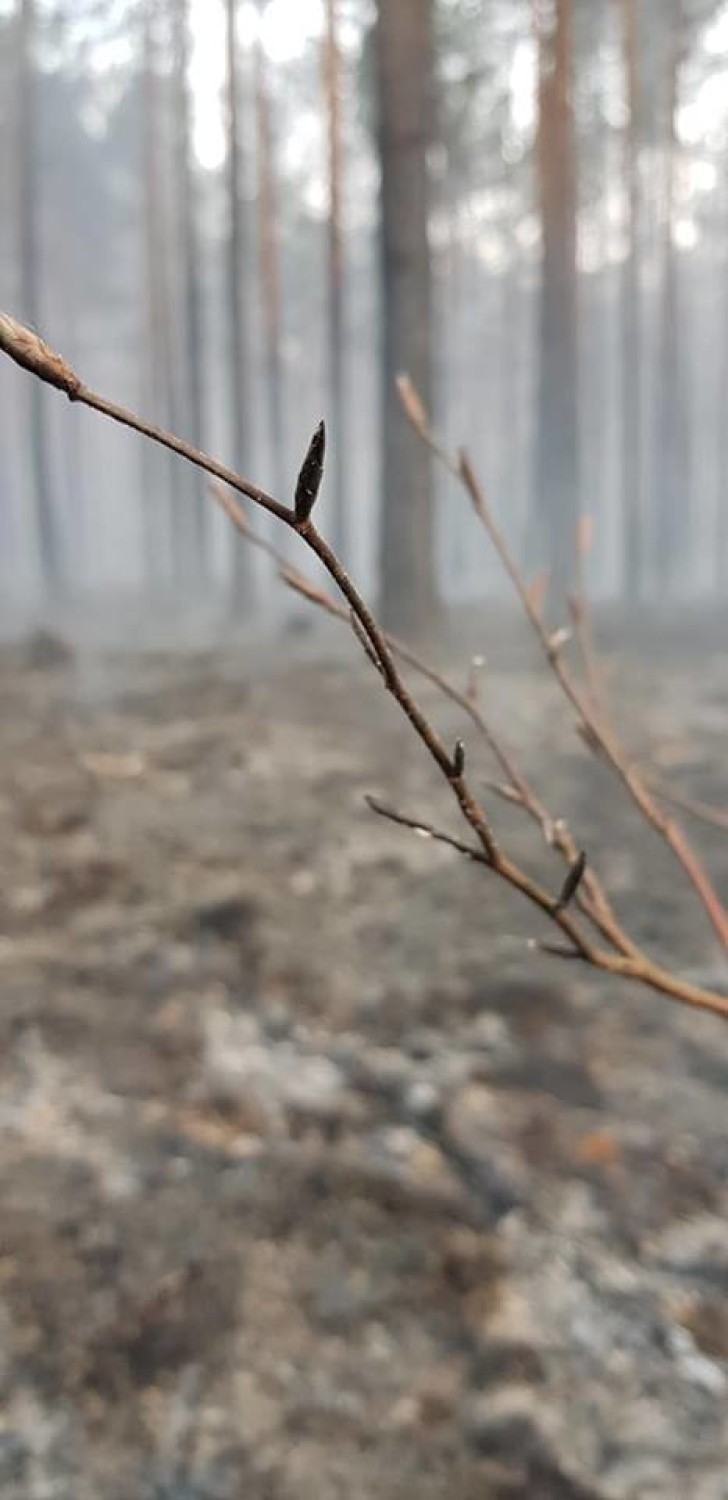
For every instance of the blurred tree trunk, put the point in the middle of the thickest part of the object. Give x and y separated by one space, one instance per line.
191 520
48 539
404 66
671 465
270 270
721 514
157 355
336 316
633 536
243 572
508 436
557 447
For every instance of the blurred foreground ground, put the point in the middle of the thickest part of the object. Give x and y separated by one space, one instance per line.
315 1182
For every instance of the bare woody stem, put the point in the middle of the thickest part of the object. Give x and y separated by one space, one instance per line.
32 354
602 736
596 731
593 900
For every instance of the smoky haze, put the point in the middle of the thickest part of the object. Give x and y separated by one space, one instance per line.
237 223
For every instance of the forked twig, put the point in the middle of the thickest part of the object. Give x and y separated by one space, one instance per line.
22 345
595 731
592 900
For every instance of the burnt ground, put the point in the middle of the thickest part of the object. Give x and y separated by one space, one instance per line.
315 1181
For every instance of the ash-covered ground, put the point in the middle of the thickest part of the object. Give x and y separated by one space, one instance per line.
315 1181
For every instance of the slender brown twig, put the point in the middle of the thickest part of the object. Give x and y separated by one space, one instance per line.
22 345
703 812
593 901
596 732
594 675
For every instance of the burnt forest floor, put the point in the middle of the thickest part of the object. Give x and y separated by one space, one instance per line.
315 1181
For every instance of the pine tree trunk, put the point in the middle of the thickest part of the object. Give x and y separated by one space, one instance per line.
671 500
157 355
633 529
721 512
270 273
191 521
47 533
404 66
337 402
557 450
243 572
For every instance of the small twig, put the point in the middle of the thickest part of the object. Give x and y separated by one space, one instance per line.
506 870
594 903
29 351
597 735
597 731
627 962
703 812
426 830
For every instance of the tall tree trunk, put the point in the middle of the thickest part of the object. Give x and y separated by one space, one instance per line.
48 538
157 354
557 450
191 522
243 573
507 402
337 402
671 499
270 269
404 66
721 512
633 528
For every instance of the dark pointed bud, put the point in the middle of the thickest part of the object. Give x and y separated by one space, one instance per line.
458 758
312 472
571 883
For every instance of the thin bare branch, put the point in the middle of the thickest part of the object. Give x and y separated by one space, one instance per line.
598 736
627 961
703 812
593 901
32 354
426 830
598 732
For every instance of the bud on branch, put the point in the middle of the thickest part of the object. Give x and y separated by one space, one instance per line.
572 882
310 476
